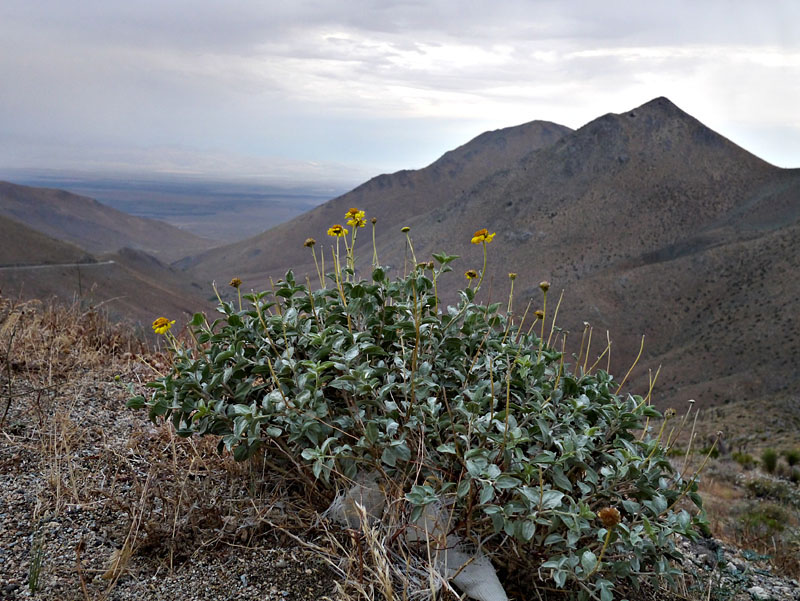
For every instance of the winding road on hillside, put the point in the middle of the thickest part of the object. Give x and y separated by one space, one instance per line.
46 265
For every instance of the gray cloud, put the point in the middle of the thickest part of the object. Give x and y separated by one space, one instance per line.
373 84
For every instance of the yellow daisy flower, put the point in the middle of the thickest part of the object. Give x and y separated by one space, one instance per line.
483 236
162 325
337 231
355 218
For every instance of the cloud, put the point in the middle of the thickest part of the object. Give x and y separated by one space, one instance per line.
381 85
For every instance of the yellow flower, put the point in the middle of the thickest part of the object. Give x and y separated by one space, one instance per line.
235 282
483 236
162 325
337 231
471 274
512 276
609 516
355 218
539 313
405 229
309 242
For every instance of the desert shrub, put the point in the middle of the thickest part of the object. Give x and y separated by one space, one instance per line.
542 465
792 457
776 490
769 459
709 450
746 460
762 521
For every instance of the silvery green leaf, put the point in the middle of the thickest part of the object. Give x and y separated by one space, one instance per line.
551 499
588 562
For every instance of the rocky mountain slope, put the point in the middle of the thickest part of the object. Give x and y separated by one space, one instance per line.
653 223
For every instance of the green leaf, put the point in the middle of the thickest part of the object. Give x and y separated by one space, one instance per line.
389 456
588 562
487 493
136 402
526 530
505 481
551 499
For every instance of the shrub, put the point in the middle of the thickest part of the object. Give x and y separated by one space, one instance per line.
769 459
746 460
776 490
462 407
792 457
762 521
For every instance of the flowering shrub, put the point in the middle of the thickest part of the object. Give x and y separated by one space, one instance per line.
543 465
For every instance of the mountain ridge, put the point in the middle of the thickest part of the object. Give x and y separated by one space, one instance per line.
650 196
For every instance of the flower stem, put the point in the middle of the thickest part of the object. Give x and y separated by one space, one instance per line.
483 271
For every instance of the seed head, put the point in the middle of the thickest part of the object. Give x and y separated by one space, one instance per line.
544 285
539 313
512 276
374 220
431 265
309 242
609 517
235 283
670 413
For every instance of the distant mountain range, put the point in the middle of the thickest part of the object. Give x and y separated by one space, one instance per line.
653 224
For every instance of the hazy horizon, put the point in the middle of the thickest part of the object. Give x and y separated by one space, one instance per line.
322 92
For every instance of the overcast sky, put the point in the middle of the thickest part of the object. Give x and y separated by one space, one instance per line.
344 90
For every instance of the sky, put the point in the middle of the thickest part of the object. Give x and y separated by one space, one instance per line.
338 90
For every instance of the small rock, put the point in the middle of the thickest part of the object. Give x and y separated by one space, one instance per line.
759 594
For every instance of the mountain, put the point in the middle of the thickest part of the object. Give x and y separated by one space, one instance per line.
130 285
394 199
92 226
22 245
651 222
